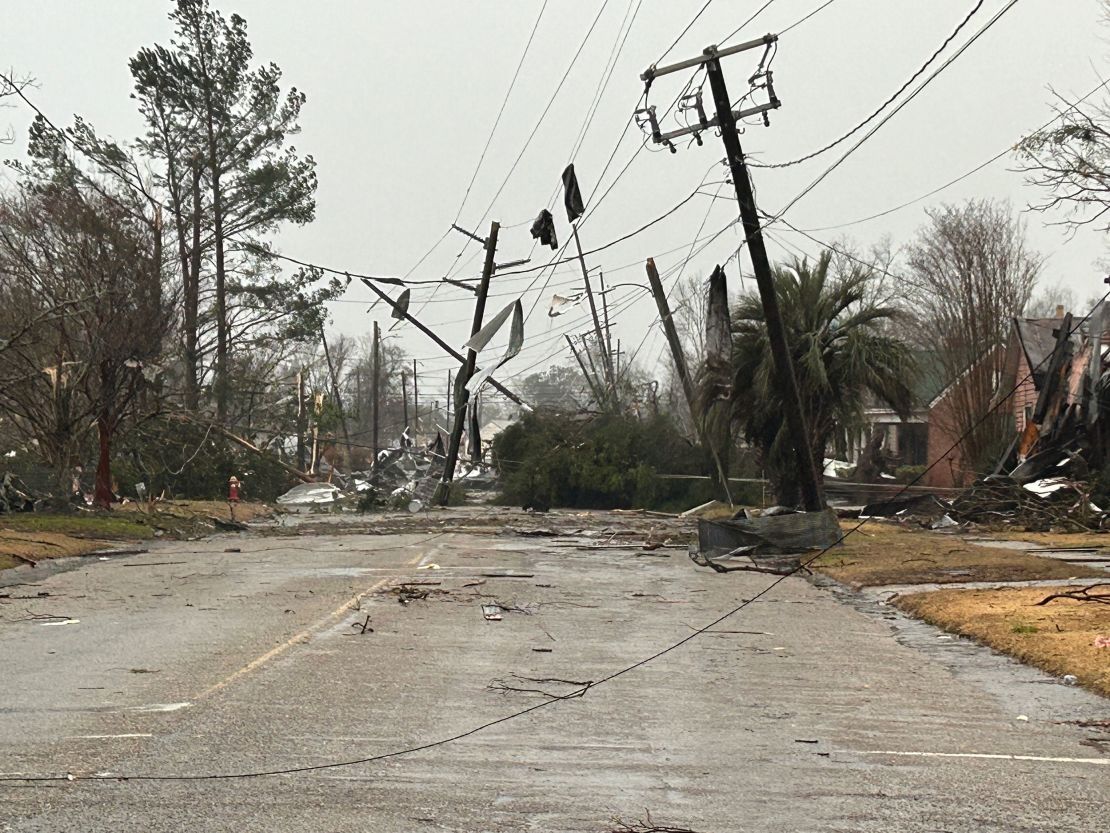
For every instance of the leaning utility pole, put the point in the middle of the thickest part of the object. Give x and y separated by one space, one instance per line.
375 390
605 311
463 395
585 373
602 343
725 119
671 333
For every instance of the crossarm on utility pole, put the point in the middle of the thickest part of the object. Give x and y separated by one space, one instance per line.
451 351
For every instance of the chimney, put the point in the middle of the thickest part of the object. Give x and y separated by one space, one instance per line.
1059 310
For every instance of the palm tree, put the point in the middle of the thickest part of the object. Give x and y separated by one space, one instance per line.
843 355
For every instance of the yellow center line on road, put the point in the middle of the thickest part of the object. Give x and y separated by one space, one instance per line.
300 637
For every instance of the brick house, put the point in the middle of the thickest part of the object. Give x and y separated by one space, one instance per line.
1021 366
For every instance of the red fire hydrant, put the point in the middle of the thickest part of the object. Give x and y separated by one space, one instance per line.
232 494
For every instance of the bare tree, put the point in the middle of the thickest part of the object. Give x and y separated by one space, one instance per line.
11 87
80 290
972 273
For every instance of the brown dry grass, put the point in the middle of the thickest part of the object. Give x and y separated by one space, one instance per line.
1058 637
36 535
884 553
27 547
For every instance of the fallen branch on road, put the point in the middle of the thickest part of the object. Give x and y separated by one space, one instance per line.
505 684
645 826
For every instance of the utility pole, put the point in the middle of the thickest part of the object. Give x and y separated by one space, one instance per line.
589 378
725 119
672 336
336 396
375 391
467 370
404 400
606 359
450 389
301 421
415 399
605 311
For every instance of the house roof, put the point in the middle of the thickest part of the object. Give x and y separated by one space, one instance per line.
931 378
1037 339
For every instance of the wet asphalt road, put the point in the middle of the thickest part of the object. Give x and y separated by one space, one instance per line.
801 713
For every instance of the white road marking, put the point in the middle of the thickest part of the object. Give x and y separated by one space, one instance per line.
109 737
161 707
992 757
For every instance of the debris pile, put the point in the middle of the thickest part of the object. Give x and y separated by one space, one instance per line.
1045 479
14 495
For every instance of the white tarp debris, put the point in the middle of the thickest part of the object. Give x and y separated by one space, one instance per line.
310 494
1046 485
560 303
482 337
836 468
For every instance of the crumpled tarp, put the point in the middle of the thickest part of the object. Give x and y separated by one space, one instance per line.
776 535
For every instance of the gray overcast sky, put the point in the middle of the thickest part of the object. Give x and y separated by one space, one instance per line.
401 97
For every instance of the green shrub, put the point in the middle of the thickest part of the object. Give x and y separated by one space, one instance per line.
600 462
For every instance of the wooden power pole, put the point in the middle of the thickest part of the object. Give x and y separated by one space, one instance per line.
671 333
404 400
415 399
725 120
602 342
463 395
302 421
375 390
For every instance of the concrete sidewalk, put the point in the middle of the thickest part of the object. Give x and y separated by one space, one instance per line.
799 713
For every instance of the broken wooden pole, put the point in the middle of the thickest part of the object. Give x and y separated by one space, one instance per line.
462 395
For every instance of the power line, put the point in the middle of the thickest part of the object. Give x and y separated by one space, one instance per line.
501 111
755 14
606 75
986 27
823 6
546 110
682 34
936 54
1102 84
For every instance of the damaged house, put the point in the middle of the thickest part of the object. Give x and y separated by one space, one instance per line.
1047 373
